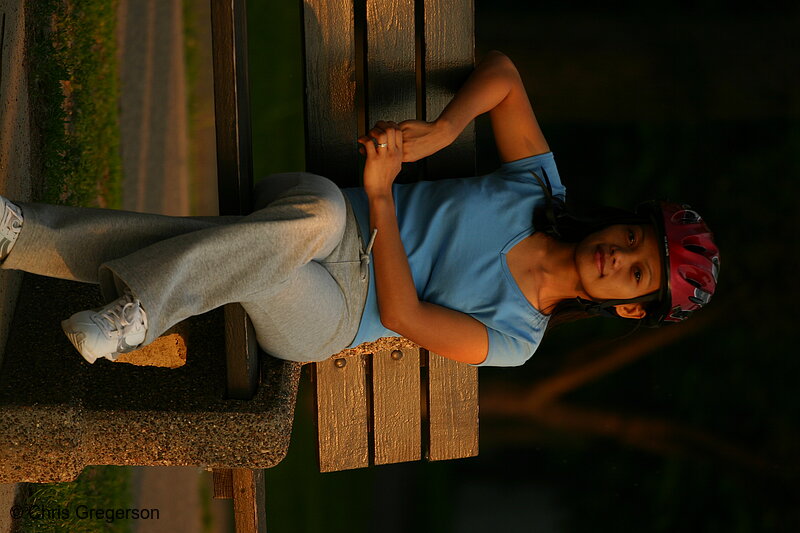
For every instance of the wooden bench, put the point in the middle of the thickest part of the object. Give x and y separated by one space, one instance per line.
388 60
389 401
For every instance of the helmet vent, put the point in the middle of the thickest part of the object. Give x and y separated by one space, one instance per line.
686 216
695 248
694 283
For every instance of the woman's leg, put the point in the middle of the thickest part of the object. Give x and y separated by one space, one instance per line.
72 242
316 313
304 319
193 273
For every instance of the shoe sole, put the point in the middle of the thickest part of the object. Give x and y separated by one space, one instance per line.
78 338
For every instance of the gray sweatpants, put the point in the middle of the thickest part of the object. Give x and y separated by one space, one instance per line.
296 264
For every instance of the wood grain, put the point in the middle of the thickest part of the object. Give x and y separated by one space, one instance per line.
242 353
331 116
249 501
391 67
396 405
449 36
234 171
223 483
449 57
453 409
232 107
391 74
342 413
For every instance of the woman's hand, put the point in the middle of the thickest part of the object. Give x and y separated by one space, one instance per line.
421 139
383 146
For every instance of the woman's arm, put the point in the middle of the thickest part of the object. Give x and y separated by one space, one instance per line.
396 291
444 331
495 87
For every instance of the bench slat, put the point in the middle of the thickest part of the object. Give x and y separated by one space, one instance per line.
232 107
449 59
391 82
391 70
234 171
331 122
396 406
249 509
222 479
342 413
452 409
242 363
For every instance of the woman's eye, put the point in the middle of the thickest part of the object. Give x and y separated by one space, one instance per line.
631 237
638 275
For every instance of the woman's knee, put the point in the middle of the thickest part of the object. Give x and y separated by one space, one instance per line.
300 349
275 186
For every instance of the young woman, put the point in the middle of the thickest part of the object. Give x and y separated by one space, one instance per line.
469 268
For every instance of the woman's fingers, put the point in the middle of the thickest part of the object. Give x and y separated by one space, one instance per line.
393 131
367 145
378 136
398 135
384 135
390 136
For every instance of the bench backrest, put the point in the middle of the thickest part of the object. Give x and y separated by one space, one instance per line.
388 60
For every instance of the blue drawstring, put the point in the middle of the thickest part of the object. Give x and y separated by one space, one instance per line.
365 256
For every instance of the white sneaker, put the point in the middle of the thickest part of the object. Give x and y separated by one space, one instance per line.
10 226
119 327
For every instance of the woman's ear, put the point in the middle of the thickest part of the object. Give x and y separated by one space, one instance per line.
631 310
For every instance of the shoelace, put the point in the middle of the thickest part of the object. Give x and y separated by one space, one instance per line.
115 319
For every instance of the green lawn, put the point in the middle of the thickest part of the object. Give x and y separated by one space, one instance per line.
77 506
74 95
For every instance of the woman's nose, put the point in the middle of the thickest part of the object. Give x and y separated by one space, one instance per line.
618 257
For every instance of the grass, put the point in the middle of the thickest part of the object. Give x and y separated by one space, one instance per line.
74 94
67 506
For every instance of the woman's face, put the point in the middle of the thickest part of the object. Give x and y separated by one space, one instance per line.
620 262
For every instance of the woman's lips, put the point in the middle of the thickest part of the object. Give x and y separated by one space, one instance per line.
599 260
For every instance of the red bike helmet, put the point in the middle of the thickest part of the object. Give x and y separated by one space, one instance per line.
690 261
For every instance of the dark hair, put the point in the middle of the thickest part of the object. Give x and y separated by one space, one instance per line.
568 225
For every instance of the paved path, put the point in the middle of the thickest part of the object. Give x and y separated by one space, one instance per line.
153 117
179 493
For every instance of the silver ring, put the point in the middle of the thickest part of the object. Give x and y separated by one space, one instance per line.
382 145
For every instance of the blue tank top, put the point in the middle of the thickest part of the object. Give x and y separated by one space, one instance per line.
456 234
